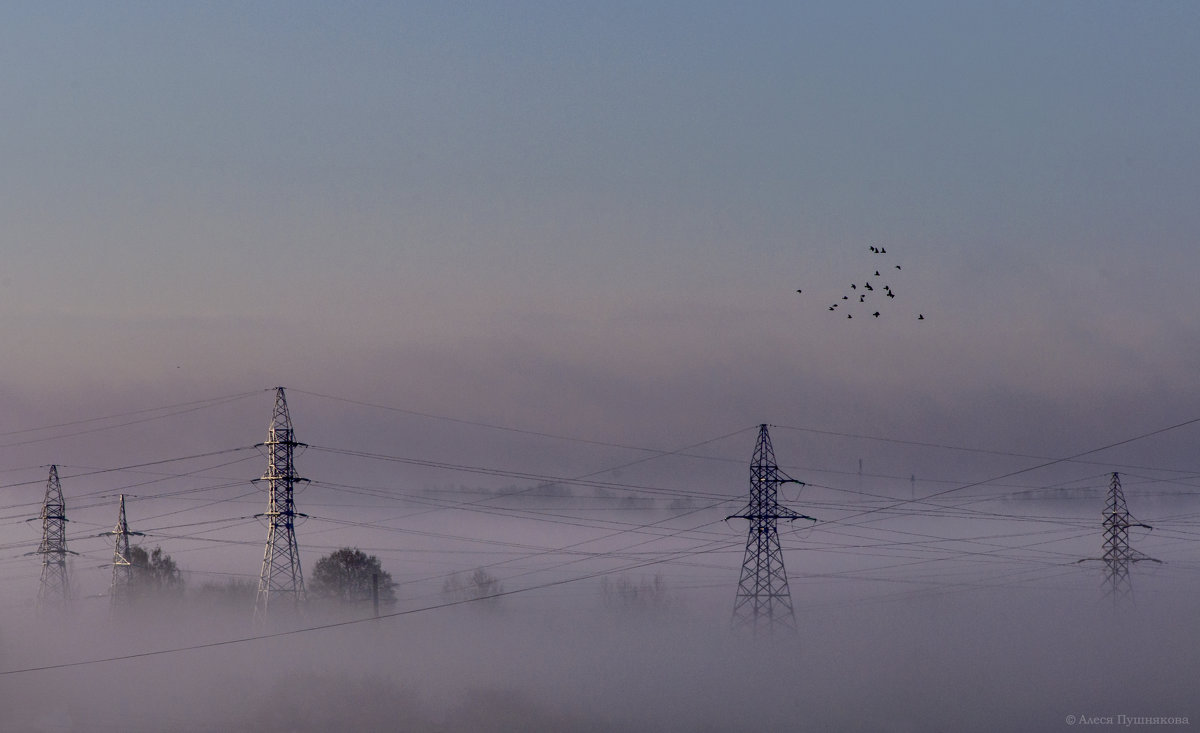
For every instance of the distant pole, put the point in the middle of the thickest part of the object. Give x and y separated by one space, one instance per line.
55 590
375 593
281 580
1118 554
763 600
912 486
123 570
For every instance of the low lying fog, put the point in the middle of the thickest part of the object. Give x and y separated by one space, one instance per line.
976 642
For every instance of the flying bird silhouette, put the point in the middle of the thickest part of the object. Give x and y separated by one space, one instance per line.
920 316
876 314
868 286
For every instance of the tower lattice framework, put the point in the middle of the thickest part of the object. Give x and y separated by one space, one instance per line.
1118 554
55 589
764 602
281 583
123 569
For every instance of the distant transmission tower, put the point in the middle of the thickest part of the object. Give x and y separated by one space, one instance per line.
281 581
763 601
123 570
55 590
1118 555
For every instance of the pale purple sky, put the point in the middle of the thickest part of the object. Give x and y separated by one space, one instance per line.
591 219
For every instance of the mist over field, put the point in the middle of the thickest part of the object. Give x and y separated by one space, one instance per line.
968 612
994 660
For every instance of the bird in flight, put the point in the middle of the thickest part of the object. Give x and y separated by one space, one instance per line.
867 288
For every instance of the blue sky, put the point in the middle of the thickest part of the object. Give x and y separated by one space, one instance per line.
593 217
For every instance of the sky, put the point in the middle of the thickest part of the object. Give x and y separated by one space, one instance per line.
552 239
467 209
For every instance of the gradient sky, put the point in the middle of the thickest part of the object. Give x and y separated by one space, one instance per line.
505 224
591 219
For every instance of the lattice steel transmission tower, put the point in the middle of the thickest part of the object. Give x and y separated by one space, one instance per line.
1118 555
55 590
763 601
123 570
281 582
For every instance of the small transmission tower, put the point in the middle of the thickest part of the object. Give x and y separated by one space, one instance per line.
1118 555
281 581
55 590
123 570
763 600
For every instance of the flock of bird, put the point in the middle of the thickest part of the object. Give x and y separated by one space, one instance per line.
868 293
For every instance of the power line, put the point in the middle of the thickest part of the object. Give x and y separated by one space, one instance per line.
1045 464
194 406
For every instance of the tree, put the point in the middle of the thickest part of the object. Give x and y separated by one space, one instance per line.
347 574
644 596
154 574
479 585
234 592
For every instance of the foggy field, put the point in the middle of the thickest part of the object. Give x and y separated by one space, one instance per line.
951 601
982 663
968 646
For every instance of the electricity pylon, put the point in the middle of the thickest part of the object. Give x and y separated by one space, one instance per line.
123 570
55 590
1118 555
281 581
763 601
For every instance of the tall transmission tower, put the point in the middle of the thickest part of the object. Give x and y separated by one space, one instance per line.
281 581
123 570
1118 555
55 590
763 601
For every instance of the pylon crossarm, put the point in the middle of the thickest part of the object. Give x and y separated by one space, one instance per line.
796 516
293 443
1151 559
